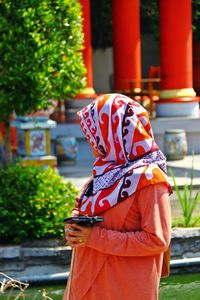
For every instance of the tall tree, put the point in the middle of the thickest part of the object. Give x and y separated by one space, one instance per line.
40 57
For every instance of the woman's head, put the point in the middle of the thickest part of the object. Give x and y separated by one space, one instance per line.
117 128
128 160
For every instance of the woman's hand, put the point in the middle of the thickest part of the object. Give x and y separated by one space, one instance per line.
76 235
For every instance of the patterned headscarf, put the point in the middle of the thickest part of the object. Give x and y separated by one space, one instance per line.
118 129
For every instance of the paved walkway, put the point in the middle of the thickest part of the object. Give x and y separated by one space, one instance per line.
182 170
79 172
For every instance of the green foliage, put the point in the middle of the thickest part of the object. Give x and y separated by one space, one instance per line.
101 23
33 203
40 43
149 13
187 202
196 19
179 222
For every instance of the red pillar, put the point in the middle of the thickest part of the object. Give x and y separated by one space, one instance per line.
87 51
87 94
126 42
176 56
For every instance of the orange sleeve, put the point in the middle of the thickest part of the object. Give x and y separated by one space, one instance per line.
154 236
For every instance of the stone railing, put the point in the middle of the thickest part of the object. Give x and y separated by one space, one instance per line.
185 243
185 254
48 260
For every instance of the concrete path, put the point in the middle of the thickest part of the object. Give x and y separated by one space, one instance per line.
79 172
182 170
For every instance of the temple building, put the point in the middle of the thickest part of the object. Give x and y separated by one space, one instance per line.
173 100
177 96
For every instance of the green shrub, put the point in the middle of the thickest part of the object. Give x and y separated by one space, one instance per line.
33 203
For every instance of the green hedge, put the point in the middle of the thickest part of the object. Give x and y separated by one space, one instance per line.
33 203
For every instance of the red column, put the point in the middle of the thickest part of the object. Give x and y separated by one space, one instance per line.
176 52
87 51
126 42
87 94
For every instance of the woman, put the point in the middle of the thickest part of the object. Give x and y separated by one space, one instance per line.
120 258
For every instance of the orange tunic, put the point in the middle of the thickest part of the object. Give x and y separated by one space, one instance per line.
123 257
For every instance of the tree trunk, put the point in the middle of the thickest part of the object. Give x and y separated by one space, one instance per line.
8 152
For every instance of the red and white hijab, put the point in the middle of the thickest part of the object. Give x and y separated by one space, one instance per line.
118 128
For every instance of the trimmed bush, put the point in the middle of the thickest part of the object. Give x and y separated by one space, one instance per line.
33 203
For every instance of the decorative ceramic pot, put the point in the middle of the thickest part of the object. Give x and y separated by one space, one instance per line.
66 149
175 144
